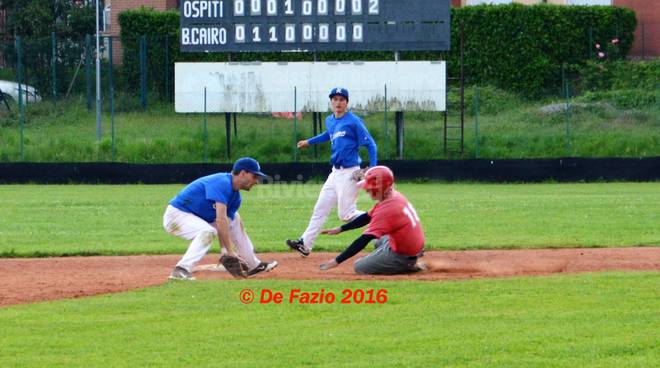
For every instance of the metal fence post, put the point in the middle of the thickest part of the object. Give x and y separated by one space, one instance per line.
88 70
295 124
385 130
111 89
228 133
206 132
315 132
398 122
53 64
97 64
567 113
167 69
21 105
143 71
235 127
476 122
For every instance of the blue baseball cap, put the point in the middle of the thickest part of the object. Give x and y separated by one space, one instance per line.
248 164
338 91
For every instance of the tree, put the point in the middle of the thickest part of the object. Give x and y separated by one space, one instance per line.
35 21
39 18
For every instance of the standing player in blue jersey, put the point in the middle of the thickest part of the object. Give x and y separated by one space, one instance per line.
208 208
347 134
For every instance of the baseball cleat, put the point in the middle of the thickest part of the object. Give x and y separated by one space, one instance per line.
298 246
262 267
180 273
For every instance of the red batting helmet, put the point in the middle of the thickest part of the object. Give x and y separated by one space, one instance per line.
377 178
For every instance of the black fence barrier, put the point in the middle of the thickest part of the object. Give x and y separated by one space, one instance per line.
561 170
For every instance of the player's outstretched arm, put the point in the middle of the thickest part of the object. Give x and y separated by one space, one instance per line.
357 222
328 265
352 250
222 225
323 137
333 231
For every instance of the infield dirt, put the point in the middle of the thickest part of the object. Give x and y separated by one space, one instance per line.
29 280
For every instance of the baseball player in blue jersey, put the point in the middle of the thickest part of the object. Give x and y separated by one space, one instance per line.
347 134
208 208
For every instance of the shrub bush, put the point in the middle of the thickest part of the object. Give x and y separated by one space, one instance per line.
513 47
623 98
596 76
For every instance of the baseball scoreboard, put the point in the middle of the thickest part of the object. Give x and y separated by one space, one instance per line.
314 25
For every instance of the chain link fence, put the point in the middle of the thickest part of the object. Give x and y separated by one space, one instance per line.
59 75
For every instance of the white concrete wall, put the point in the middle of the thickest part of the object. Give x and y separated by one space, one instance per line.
269 87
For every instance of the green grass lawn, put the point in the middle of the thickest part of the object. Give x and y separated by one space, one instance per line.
509 127
587 320
127 219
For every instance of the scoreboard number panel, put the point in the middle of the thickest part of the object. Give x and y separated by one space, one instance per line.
314 25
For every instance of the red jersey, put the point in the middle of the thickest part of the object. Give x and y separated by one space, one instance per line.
396 217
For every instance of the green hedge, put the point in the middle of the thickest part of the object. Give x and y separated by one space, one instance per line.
624 84
522 48
514 47
620 75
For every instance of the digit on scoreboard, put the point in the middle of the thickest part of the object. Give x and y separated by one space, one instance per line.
239 8
340 32
256 33
324 32
271 7
374 8
239 33
340 7
357 32
288 7
289 33
322 7
255 7
272 33
307 32
306 7
356 7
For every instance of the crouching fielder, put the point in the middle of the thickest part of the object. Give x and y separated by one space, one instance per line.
392 221
207 209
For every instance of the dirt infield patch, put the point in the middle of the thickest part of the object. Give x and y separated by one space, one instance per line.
28 280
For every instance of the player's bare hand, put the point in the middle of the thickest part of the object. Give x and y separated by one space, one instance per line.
302 144
334 231
328 265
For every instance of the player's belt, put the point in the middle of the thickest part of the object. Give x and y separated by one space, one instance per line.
420 254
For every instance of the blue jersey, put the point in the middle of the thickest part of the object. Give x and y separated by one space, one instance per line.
199 197
347 134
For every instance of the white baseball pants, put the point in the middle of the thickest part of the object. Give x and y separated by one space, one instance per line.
339 190
190 227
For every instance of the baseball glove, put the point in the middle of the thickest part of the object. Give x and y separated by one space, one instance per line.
358 174
234 265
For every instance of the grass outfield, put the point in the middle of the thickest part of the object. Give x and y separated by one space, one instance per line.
587 320
126 219
508 127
